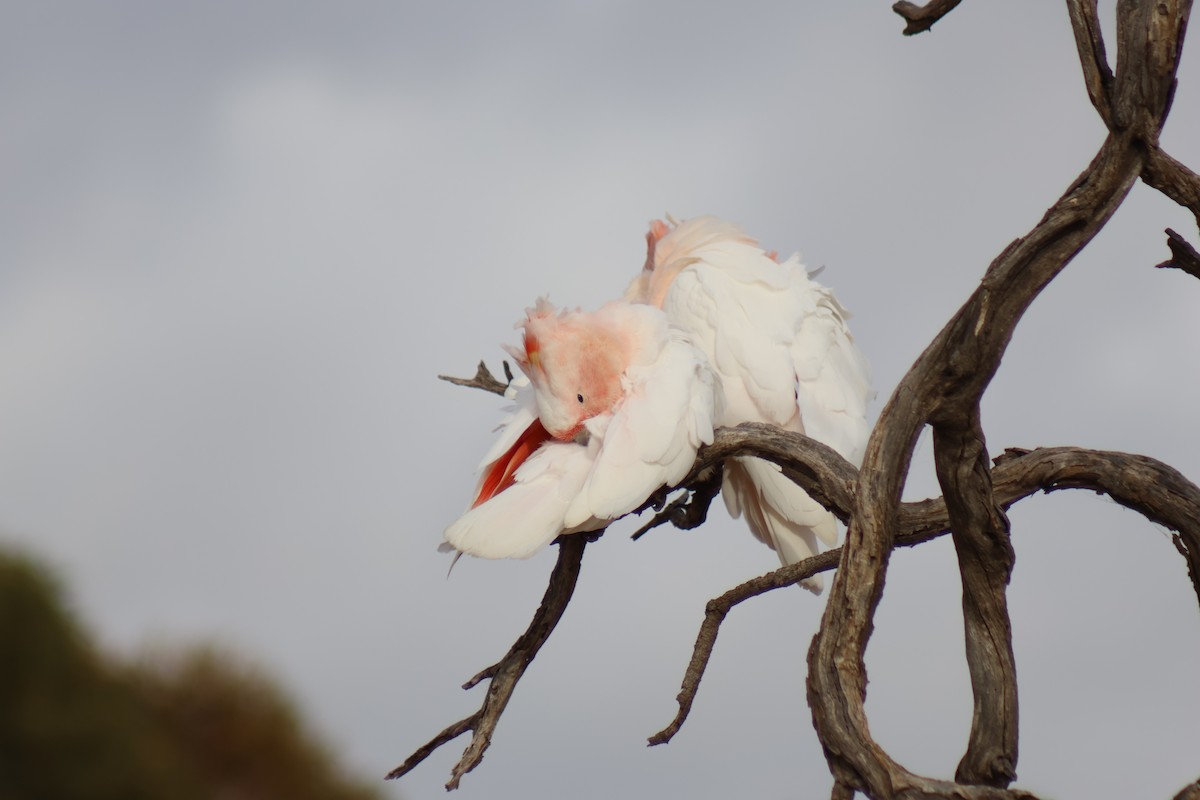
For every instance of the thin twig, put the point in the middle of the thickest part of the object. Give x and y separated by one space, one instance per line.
483 379
506 673
714 615
1145 485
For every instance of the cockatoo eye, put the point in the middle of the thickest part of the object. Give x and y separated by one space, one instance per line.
579 397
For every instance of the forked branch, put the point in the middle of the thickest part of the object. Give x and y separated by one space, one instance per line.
943 388
1153 489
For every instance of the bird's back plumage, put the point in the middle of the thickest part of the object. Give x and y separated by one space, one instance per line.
782 353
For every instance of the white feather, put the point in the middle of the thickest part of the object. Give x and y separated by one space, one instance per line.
528 515
781 353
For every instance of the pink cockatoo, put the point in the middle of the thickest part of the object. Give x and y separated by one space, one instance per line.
779 345
615 406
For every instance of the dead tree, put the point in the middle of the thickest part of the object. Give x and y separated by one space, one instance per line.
942 390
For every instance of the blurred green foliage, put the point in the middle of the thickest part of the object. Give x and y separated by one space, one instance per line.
75 725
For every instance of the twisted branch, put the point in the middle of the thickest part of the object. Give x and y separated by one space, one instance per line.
943 388
1145 485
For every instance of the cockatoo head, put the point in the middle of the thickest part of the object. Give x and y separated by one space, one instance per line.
575 361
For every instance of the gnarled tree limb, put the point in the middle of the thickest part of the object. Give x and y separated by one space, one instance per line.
948 379
943 389
1145 485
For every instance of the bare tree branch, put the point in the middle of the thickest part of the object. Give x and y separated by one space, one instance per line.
506 673
1150 487
841 792
1183 255
1097 75
947 382
1174 180
1189 792
943 389
922 18
816 467
985 562
714 615
483 379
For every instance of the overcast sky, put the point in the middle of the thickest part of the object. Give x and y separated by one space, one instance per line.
238 241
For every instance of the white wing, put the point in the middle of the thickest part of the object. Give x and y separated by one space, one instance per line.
833 386
781 350
528 515
744 317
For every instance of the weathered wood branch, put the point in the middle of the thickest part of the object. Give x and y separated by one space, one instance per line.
816 467
943 389
1174 180
714 615
947 382
1183 255
1097 74
506 673
1145 485
985 563
1157 491
921 18
483 379
1189 792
